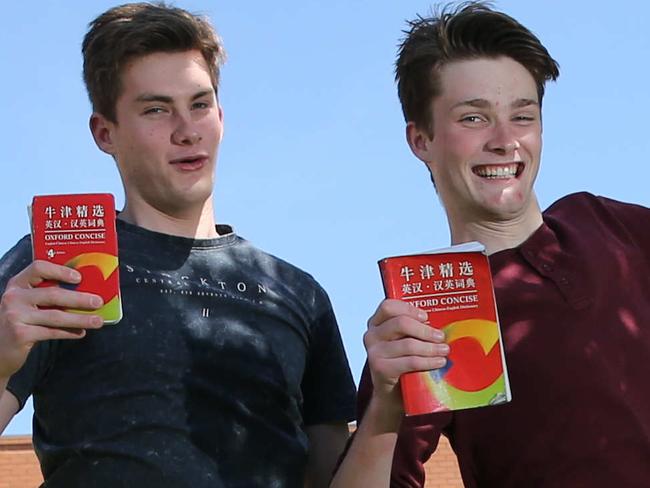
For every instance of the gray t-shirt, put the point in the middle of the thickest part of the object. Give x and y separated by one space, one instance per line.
223 356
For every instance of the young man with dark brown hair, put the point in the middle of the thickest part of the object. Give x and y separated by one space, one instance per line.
227 368
572 283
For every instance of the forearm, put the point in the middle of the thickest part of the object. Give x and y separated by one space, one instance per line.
398 341
8 405
369 459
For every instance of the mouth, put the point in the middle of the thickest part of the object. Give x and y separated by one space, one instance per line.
190 163
499 171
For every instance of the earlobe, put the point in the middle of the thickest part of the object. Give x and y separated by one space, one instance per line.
101 130
418 141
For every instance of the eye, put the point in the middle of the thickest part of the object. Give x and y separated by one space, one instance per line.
473 119
154 110
200 105
524 118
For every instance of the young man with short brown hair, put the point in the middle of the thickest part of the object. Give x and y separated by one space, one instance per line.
571 283
227 368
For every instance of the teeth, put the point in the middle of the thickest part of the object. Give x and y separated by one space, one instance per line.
495 172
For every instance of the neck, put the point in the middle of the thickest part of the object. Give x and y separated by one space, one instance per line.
195 223
496 234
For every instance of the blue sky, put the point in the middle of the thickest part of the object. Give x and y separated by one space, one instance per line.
314 167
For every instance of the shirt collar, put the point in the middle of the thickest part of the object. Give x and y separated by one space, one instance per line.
544 252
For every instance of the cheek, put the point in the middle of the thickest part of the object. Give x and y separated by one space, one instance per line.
141 151
532 142
456 146
149 140
212 126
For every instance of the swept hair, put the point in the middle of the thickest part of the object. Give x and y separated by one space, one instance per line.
469 30
137 29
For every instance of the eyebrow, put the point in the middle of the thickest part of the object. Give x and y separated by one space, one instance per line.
524 102
153 97
483 103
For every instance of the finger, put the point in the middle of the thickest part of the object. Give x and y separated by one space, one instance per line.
55 296
390 308
39 271
36 333
409 364
410 347
389 370
403 326
61 319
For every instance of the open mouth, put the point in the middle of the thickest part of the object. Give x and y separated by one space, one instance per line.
189 163
498 171
190 160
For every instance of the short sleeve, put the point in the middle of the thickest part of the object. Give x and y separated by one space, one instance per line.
27 378
14 261
329 393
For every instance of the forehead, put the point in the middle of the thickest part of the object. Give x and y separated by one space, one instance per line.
166 73
497 80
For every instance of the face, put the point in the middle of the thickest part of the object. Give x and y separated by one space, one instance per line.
485 151
168 130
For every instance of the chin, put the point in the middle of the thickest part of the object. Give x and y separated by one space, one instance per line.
199 191
508 209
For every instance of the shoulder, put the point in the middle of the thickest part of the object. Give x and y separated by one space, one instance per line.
589 200
293 280
593 214
14 260
274 265
584 203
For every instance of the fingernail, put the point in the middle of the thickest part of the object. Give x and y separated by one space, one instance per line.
422 315
444 348
75 275
96 321
96 302
438 335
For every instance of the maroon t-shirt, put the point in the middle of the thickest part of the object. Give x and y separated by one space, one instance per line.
574 305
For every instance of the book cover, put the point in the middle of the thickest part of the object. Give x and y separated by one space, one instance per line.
454 286
78 231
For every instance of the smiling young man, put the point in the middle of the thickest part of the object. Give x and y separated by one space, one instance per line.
572 283
227 368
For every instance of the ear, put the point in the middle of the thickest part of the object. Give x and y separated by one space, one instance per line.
102 131
221 120
419 141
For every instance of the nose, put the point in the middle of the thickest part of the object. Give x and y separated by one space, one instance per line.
185 133
502 141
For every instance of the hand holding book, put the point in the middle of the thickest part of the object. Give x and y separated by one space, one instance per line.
27 316
71 286
399 341
454 287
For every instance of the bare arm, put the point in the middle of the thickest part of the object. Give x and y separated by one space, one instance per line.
326 443
369 459
8 406
397 342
